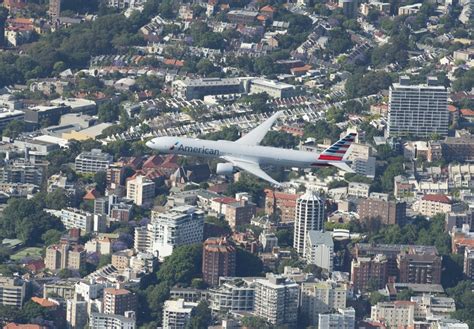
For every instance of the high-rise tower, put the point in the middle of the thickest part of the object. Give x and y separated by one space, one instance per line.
309 216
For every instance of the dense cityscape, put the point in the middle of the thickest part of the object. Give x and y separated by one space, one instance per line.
99 229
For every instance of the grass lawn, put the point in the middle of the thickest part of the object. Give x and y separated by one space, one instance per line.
32 251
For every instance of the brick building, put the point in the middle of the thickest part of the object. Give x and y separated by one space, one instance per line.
218 259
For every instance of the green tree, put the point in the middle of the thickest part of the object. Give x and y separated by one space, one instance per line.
405 294
200 316
464 298
100 180
14 128
104 260
58 199
376 297
247 264
254 322
51 237
182 266
108 112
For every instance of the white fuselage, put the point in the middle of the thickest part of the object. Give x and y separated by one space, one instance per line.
263 155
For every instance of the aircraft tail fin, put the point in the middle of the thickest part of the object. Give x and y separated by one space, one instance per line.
338 150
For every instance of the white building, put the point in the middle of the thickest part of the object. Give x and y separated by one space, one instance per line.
141 190
76 313
274 89
176 313
276 300
179 226
113 321
394 314
358 190
363 161
344 319
419 110
309 216
92 162
319 249
431 308
12 292
233 294
77 218
321 297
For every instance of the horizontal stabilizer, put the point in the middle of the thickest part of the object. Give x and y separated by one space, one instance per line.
342 165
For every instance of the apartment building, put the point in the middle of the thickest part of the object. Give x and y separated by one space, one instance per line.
282 204
380 208
460 149
319 250
218 259
394 314
233 294
77 218
433 204
198 88
419 265
119 301
363 161
468 267
176 313
92 162
61 256
113 321
321 297
343 319
276 300
419 110
369 273
141 190
179 226
429 307
240 213
309 216
12 291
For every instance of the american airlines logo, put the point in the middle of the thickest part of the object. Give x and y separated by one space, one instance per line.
196 150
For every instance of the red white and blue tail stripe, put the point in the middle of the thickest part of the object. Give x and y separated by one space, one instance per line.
338 150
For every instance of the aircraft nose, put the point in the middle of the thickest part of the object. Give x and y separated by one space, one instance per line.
149 143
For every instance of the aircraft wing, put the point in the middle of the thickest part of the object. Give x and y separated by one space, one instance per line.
255 136
251 167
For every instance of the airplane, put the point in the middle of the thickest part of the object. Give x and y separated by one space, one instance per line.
247 154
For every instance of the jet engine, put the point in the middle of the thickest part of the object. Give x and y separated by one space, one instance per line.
225 169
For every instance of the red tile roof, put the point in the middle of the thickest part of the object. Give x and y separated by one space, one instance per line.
467 112
268 8
13 325
225 200
91 195
436 198
44 302
452 108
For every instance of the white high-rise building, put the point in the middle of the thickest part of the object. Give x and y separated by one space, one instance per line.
418 110
179 226
309 216
319 249
321 297
276 300
176 313
344 319
141 190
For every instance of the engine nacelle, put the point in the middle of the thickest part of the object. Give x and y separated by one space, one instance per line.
225 169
